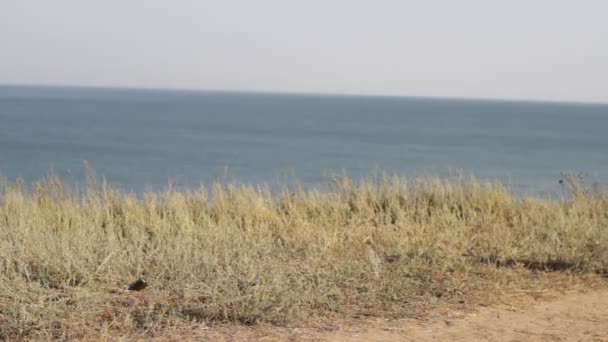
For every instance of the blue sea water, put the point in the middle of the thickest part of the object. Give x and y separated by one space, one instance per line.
143 139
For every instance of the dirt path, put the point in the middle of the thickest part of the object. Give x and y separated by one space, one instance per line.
571 317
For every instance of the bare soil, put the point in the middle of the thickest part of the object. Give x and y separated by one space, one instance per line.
573 317
570 316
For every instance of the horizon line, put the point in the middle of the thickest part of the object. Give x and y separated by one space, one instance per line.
300 93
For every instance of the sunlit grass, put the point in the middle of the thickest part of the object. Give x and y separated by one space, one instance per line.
387 247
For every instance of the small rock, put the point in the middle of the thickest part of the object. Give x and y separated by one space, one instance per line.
138 285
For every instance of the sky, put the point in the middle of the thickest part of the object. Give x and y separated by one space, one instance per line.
516 49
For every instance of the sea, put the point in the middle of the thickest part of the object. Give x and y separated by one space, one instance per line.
146 140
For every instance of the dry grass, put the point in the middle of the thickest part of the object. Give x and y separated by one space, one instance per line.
387 247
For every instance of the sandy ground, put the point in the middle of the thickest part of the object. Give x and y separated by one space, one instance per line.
573 316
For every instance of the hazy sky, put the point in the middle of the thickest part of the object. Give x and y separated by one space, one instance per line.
533 49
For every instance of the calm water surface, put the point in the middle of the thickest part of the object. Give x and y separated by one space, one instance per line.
141 139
